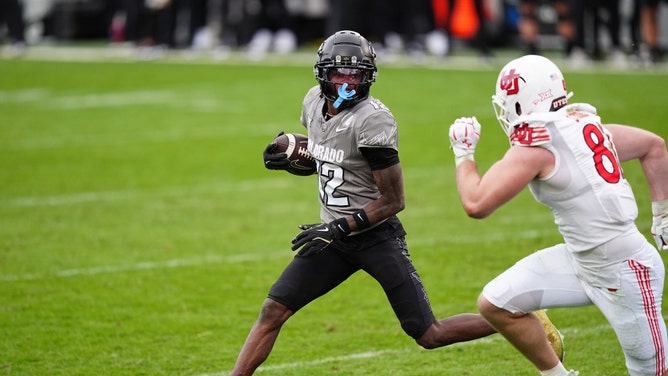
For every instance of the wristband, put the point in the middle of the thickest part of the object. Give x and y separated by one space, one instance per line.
361 219
660 208
339 228
465 157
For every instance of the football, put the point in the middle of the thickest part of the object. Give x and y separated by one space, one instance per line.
295 146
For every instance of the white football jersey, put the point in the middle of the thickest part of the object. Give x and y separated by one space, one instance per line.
591 200
345 180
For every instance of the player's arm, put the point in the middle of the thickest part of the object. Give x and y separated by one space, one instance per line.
384 163
482 195
390 183
388 176
649 149
389 180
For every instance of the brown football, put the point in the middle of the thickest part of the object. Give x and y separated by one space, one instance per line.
295 146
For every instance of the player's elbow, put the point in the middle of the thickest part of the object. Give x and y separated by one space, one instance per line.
398 205
475 210
655 152
391 205
659 145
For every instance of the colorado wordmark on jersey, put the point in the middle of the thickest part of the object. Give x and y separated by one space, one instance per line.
591 200
345 180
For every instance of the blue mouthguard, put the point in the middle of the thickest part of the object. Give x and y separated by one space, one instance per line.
343 95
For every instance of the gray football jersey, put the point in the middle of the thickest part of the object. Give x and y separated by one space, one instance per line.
345 180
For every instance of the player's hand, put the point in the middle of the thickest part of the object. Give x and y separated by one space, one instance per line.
316 237
306 227
275 161
660 224
464 136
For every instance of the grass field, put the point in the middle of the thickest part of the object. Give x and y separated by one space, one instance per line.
139 231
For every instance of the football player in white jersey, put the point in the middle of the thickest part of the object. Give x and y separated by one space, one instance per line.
354 139
571 163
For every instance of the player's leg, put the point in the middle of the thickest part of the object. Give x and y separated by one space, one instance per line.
633 309
457 328
262 336
390 264
303 280
542 280
524 331
384 256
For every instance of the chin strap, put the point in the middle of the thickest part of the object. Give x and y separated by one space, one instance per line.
343 95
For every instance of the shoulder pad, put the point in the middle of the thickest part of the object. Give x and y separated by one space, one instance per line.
581 112
578 107
530 132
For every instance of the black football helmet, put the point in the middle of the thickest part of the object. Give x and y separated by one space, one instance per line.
346 49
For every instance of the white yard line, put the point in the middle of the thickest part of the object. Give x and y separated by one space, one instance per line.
249 257
395 352
343 358
148 265
130 194
46 99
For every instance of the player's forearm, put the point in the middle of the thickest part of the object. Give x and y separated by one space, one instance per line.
375 212
385 207
390 183
655 167
468 186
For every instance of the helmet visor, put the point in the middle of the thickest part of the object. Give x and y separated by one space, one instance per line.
346 75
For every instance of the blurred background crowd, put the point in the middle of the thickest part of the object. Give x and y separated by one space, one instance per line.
615 31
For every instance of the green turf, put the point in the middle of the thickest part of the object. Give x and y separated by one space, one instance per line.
139 231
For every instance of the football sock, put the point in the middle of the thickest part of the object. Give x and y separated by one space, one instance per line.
559 370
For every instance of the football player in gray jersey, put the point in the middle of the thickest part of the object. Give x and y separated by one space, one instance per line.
353 137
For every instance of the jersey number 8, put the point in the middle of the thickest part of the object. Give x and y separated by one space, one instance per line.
605 156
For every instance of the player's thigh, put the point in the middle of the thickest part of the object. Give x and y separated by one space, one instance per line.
634 312
544 279
307 278
389 263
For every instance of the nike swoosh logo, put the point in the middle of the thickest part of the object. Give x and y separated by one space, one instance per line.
341 129
322 229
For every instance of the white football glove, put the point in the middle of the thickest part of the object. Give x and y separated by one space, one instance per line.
660 224
464 136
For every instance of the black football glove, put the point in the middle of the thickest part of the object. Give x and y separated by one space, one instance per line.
275 161
314 238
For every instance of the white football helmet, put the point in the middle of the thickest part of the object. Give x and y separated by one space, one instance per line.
526 85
